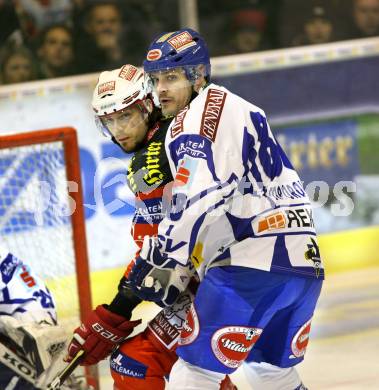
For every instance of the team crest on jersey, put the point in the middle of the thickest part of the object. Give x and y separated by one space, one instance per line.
182 41
154 55
191 327
127 72
106 87
212 113
232 344
300 341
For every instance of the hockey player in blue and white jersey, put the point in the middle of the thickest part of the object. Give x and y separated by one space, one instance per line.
29 334
240 215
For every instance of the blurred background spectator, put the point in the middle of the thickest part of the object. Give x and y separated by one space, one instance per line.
103 41
9 22
56 52
35 15
17 65
239 26
83 36
365 17
248 28
318 26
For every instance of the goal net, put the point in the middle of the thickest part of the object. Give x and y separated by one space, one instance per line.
41 215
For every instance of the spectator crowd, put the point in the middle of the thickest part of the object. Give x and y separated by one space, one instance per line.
41 39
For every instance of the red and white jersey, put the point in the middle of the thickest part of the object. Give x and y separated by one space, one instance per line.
237 200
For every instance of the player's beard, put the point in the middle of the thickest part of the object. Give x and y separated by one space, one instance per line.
135 147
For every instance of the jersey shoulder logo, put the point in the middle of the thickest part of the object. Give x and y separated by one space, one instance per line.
177 127
213 107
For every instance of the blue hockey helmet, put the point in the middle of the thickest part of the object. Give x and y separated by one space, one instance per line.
184 48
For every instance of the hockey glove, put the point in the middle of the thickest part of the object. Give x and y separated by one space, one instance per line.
158 278
99 335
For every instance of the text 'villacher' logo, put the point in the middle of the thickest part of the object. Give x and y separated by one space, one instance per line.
232 344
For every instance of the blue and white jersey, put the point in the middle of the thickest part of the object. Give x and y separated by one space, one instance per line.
22 294
237 200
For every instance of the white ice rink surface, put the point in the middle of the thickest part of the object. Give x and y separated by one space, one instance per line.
343 353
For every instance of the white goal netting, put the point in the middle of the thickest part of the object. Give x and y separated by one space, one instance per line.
35 222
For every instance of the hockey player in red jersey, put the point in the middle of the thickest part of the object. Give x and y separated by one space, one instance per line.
126 113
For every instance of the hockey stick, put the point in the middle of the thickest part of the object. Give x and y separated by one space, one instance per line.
58 381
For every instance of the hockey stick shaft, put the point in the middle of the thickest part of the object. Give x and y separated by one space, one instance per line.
63 375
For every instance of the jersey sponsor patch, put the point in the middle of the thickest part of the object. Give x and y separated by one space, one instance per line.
106 87
300 341
285 220
124 365
185 174
294 190
154 55
232 344
192 145
191 327
165 332
127 72
152 174
212 113
182 41
177 127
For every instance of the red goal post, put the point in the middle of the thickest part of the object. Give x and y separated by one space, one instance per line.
41 215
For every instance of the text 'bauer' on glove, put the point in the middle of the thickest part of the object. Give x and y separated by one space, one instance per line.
99 335
158 278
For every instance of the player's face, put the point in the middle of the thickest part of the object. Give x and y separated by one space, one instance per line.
173 89
129 127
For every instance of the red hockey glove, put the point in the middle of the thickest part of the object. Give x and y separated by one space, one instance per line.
99 335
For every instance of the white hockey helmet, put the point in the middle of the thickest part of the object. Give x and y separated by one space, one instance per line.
117 90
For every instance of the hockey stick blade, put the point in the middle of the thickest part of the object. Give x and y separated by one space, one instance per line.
63 375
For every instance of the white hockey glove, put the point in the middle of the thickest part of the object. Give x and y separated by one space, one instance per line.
157 278
39 343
